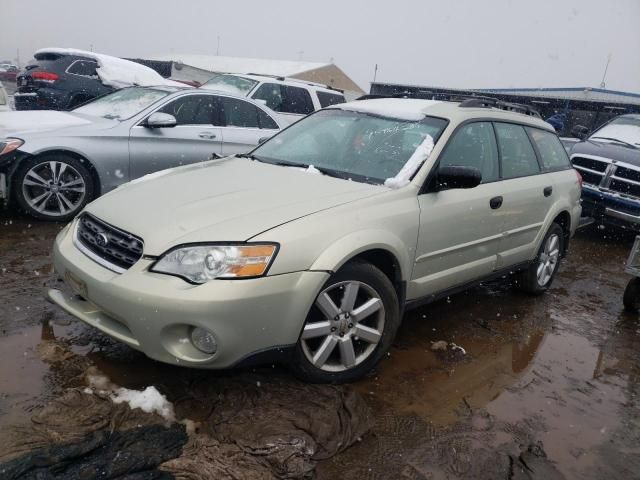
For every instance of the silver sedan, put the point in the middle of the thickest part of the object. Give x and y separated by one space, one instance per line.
53 163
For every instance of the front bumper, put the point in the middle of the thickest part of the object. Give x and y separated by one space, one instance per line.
611 208
154 312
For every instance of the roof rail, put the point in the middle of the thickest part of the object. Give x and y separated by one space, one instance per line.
298 80
490 102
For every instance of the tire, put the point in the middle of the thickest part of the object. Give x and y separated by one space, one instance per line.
349 355
631 298
535 281
53 187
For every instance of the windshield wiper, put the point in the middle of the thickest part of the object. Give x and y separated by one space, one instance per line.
250 157
622 142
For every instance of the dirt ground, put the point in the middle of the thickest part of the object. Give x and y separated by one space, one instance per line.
549 386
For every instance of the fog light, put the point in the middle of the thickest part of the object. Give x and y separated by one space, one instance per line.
204 340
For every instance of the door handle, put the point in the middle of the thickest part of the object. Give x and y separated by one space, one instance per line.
208 135
547 191
495 202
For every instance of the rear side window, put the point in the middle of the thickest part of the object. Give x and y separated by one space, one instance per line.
328 99
473 145
85 68
240 114
285 99
517 154
552 154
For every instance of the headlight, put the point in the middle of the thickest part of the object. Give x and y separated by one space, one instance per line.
9 145
201 263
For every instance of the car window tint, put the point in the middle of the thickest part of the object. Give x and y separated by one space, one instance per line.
86 68
328 99
297 100
474 145
238 113
552 153
191 109
271 94
517 154
266 121
285 99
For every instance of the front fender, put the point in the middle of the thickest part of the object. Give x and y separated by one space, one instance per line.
349 246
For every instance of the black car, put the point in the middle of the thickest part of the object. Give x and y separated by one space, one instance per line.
57 81
609 162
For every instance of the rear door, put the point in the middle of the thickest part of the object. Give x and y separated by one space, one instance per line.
460 229
527 194
193 139
243 125
291 103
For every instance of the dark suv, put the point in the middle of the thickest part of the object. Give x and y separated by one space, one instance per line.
54 81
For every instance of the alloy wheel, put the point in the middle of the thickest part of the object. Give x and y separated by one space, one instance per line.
548 260
53 188
347 327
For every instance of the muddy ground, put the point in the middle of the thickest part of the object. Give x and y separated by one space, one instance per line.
556 376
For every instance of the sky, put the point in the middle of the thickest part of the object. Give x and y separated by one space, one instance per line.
455 43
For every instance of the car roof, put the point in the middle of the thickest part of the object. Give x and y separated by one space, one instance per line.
416 109
287 81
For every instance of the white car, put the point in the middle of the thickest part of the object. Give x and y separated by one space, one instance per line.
290 98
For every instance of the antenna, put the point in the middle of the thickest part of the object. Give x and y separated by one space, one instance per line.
375 73
606 67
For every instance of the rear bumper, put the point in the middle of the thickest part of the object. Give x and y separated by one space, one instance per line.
611 208
41 99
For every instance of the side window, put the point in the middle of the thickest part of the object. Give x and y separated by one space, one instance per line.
474 145
270 93
296 100
239 113
552 153
85 68
328 99
517 154
191 109
266 121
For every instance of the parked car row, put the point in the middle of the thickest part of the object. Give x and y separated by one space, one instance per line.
8 72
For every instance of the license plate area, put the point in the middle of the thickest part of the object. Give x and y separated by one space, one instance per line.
78 286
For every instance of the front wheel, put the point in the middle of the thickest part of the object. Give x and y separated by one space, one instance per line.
350 326
538 277
53 187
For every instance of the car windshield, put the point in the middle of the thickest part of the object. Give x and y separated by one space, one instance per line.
232 84
122 104
623 129
351 145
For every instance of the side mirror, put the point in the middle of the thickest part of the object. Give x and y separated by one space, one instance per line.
262 140
580 131
161 120
456 176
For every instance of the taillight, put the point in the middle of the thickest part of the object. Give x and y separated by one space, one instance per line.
579 177
45 76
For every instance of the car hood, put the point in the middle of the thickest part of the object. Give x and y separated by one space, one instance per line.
48 122
611 151
231 199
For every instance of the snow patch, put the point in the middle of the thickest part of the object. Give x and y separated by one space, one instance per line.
117 72
400 108
39 120
403 177
149 400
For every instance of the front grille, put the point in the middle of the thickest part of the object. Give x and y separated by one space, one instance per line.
111 246
592 170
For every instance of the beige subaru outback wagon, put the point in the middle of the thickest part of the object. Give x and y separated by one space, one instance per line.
309 249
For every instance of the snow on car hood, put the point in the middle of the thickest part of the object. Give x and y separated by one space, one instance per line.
37 121
231 199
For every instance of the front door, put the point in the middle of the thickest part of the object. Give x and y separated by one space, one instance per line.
193 139
460 229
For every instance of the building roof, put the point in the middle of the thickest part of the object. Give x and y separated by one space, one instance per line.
569 93
215 63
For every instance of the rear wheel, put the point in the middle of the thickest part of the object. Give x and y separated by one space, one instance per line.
53 187
538 277
350 326
631 298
